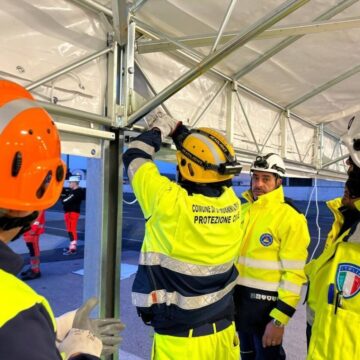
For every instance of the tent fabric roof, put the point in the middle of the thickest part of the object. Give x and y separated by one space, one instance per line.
315 76
323 57
306 64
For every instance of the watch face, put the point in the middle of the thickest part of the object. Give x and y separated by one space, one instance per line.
277 323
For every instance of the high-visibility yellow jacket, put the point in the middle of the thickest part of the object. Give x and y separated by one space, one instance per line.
272 258
334 206
186 269
27 324
334 294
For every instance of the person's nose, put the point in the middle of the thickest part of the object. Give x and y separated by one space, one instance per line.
258 183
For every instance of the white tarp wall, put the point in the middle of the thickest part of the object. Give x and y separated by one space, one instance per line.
39 37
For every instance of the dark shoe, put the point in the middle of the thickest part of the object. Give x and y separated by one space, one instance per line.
68 252
25 271
30 275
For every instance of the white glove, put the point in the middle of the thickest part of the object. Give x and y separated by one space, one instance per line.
165 123
80 341
64 323
107 330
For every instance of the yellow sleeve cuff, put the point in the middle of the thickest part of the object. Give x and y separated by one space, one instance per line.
280 316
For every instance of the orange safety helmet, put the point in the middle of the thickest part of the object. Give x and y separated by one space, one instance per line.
205 156
32 172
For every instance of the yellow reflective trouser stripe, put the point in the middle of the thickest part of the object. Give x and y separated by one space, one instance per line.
271 265
153 258
183 302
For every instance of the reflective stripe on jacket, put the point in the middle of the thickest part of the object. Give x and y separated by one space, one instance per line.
186 271
273 252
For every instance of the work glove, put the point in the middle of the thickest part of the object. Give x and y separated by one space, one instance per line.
107 330
165 123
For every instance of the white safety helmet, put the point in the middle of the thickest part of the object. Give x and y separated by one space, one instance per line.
271 163
352 140
74 178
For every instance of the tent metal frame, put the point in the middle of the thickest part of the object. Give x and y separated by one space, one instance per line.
127 39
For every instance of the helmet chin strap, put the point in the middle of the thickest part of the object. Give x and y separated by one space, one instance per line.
8 223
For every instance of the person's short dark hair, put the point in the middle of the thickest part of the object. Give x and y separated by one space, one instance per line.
353 183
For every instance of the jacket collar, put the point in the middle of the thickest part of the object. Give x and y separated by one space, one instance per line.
275 196
336 207
9 261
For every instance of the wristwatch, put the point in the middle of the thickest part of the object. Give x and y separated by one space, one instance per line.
277 323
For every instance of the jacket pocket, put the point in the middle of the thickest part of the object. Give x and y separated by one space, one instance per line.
335 336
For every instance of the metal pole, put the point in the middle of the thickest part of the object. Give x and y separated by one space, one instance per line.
334 161
146 29
293 135
208 106
136 7
230 112
95 6
196 57
223 25
248 123
80 130
288 41
270 132
112 206
325 86
74 113
150 85
320 145
276 15
130 67
67 68
283 137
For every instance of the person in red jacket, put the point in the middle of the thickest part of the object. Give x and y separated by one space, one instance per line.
32 238
71 204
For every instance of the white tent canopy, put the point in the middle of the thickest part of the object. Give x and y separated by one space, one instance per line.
289 85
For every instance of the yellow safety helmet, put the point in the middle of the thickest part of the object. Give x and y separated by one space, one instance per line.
205 156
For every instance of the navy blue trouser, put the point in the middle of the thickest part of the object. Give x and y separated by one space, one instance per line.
251 348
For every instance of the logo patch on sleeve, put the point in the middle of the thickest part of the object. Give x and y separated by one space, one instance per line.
266 239
348 279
